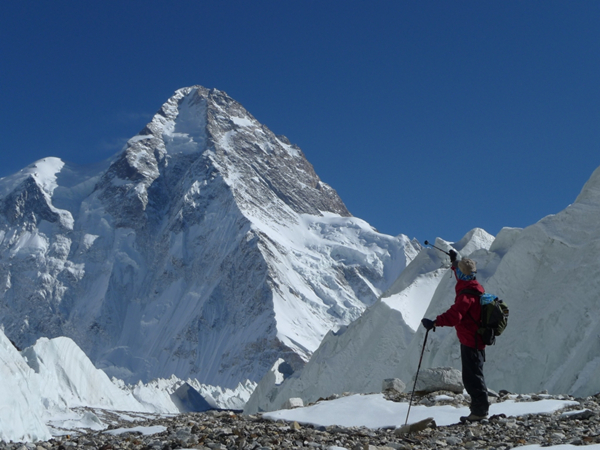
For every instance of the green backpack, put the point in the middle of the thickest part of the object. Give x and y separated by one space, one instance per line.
494 316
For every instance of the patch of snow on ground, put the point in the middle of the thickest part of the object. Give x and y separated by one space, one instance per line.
374 411
146 431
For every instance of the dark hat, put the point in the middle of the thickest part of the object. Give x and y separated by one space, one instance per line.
467 266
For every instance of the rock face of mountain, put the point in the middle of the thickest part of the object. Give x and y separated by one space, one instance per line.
208 248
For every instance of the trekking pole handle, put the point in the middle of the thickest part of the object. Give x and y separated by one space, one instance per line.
437 248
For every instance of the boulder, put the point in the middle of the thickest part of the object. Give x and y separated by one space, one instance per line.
292 403
440 379
393 384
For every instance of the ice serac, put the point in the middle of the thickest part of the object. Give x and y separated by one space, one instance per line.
21 408
68 378
549 275
207 248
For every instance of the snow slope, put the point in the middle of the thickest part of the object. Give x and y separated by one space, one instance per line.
208 248
373 411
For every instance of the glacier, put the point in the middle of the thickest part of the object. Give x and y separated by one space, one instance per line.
208 248
50 389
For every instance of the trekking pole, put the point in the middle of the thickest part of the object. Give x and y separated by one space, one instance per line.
416 377
437 248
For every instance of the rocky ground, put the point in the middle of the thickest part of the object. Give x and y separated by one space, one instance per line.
228 430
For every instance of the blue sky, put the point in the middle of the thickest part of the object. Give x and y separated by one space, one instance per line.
428 117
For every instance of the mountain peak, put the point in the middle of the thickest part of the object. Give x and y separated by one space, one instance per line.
209 247
591 190
25 197
198 127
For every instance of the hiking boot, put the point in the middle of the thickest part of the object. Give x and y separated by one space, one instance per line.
473 418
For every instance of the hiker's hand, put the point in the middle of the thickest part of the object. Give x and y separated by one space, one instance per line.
428 324
453 255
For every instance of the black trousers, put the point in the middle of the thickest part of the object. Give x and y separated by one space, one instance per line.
472 375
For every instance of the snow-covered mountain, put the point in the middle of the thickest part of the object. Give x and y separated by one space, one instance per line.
549 275
208 248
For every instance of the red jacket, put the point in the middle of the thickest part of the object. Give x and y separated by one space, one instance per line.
464 314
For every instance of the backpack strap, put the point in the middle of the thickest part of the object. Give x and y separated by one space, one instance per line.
471 291
477 294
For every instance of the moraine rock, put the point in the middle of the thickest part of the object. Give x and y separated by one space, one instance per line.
393 384
226 430
439 379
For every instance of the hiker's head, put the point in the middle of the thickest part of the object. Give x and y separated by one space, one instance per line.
466 269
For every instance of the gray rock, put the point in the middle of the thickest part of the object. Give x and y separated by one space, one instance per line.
440 379
580 415
393 384
293 403
414 427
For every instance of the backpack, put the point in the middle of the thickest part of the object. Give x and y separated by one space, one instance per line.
494 316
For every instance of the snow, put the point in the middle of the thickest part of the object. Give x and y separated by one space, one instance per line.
374 411
44 171
184 131
146 431
63 422
242 121
29 243
68 378
422 288
88 240
314 245
207 248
